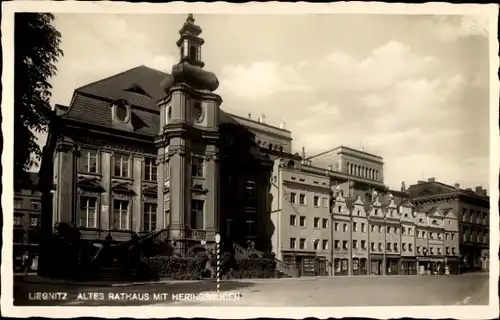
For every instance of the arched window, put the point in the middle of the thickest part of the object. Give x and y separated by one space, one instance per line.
291 164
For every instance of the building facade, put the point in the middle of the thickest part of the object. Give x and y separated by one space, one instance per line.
466 220
27 209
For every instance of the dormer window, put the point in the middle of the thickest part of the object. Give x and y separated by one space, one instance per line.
121 111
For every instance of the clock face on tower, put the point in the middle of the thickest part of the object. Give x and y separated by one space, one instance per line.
197 113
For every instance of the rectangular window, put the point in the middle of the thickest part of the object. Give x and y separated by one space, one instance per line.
88 161
337 244
197 167
363 227
293 220
403 247
418 234
122 165
150 169
345 244
293 242
316 201
337 225
423 234
431 250
316 222
452 236
447 250
403 230
410 247
197 214
302 221
446 236
388 230
344 227
363 244
302 199
34 220
379 229
121 215
315 244
395 247
354 227
453 250
150 216
18 204
35 204
355 244
325 223
418 249
380 246
88 212
388 246
373 246
372 228
440 236
325 244
302 243
325 202
18 220
439 251
293 197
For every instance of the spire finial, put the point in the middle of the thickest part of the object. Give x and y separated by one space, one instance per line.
190 18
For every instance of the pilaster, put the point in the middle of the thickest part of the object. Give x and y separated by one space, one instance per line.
212 184
66 191
178 161
160 175
136 214
106 170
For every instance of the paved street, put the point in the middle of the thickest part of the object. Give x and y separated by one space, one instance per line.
339 291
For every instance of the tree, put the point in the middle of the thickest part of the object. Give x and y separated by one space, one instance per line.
36 52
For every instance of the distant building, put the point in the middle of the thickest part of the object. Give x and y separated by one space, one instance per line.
26 220
461 214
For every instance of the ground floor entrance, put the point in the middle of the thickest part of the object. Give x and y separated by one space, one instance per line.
423 266
307 264
341 267
392 265
408 266
359 266
377 265
452 265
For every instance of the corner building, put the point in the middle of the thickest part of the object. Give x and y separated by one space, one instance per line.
145 151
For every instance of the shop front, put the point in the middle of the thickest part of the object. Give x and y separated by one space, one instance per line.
437 266
392 265
376 264
306 263
423 265
359 266
341 264
408 266
451 265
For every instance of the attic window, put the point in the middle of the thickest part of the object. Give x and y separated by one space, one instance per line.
138 90
121 110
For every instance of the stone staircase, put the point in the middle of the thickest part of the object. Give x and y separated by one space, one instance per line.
284 269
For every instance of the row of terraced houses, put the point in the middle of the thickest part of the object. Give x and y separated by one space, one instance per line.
146 151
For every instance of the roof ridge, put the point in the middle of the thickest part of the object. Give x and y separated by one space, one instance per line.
107 78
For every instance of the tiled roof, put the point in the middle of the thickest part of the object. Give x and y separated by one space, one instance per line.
115 87
92 105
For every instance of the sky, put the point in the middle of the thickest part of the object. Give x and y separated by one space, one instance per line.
412 89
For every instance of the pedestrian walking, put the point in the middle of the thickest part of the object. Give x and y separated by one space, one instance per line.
26 263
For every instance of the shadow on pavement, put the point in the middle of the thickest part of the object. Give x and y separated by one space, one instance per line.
31 294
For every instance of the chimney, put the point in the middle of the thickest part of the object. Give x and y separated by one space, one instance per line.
431 180
457 186
249 116
468 189
263 118
282 125
303 153
479 189
259 120
330 168
403 186
420 182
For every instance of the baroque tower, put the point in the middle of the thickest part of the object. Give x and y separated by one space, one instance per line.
187 144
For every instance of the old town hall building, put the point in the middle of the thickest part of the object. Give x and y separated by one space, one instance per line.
145 151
